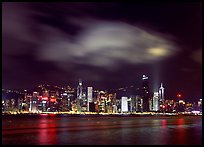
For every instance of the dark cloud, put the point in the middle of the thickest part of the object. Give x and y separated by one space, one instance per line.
104 44
197 56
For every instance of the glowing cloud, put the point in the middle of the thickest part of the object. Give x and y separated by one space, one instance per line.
158 51
103 44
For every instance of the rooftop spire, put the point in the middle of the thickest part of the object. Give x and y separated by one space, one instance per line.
161 85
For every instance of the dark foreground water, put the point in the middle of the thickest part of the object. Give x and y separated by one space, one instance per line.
63 129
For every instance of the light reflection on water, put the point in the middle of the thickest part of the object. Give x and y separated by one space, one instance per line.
47 134
101 130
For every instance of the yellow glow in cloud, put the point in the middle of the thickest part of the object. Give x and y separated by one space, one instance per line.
158 51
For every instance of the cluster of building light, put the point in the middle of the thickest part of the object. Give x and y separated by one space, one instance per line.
90 100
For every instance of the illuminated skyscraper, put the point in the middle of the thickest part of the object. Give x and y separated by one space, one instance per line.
151 104
161 94
89 96
79 96
145 93
161 98
79 90
156 101
139 104
34 102
124 104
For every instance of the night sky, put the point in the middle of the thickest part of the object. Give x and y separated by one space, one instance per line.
107 45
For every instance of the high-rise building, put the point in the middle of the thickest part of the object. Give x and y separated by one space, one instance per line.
132 103
69 100
34 102
156 101
124 104
79 96
161 95
145 93
118 106
79 90
89 96
139 104
102 101
151 103
84 102
200 105
44 103
53 104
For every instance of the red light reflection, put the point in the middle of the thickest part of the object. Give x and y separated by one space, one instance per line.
181 132
181 121
163 123
47 133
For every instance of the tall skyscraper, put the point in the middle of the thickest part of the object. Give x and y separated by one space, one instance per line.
89 96
145 93
161 93
79 96
156 101
151 104
34 102
124 104
139 103
79 90
161 98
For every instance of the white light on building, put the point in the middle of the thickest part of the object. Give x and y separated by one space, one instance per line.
161 93
44 102
89 96
65 94
144 77
124 104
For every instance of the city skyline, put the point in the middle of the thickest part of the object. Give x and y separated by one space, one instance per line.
81 89
45 99
59 43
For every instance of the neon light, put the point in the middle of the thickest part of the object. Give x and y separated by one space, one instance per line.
45 98
53 100
195 112
44 102
179 95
